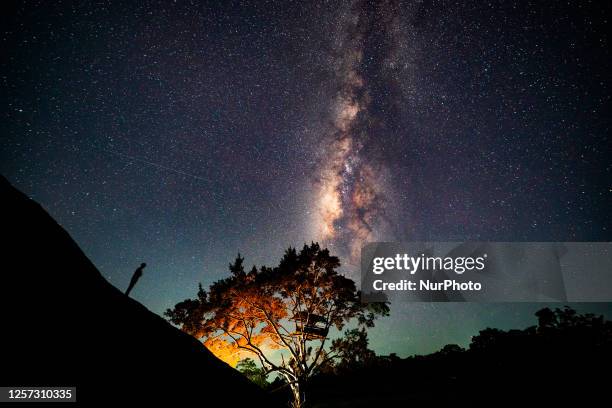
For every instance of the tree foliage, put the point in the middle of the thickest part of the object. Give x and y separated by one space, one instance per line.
249 368
352 350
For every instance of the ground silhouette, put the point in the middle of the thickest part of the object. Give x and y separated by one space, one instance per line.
64 324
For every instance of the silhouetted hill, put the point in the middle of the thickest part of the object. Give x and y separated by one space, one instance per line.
64 324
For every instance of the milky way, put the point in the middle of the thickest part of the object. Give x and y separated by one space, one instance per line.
349 189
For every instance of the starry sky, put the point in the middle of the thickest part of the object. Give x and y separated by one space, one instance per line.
180 133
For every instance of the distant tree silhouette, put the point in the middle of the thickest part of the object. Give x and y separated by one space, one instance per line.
290 308
562 361
352 349
547 319
450 349
486 339
555 328
249 368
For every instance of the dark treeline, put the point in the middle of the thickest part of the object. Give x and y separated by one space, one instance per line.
564 358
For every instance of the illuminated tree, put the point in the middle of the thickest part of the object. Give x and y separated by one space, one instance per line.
282 315
250 370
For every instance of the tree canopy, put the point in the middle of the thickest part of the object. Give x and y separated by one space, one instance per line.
290 308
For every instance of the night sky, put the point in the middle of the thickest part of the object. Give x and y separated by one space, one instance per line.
181 133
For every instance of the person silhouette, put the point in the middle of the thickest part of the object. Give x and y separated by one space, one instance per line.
137 274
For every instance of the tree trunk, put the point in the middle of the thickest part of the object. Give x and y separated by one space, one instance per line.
298 396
